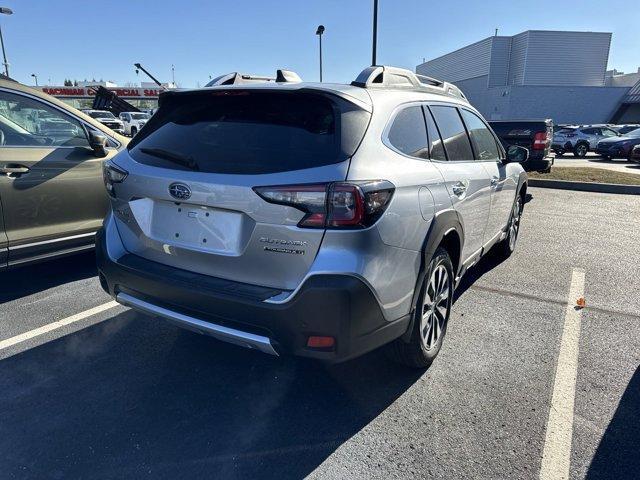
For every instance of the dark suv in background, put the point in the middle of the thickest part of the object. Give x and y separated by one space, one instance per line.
534 135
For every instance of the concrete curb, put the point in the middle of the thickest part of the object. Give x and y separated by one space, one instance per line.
586 186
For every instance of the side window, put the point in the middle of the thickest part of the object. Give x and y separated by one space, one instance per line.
609 133
454 135
589 131
408 133
28 122
484 143
436 148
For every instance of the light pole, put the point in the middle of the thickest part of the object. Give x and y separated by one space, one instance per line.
375 32
5 11
319 32
36 77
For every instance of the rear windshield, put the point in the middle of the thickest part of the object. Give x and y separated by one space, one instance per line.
250 131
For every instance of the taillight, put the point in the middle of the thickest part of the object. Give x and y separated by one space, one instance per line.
333 205
112 174
540 141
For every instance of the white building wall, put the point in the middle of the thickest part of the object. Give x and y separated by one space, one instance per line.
566 58
468 62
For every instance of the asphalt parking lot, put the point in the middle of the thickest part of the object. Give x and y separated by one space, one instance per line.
595 161
120 395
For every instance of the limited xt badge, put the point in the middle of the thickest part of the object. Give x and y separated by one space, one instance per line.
278 245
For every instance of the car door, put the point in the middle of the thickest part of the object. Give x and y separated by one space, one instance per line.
594 135
466 179
4 244
51 185
503 185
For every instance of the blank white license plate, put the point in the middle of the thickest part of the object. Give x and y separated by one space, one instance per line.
197 227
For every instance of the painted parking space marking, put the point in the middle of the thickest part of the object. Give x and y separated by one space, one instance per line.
23 337
557 444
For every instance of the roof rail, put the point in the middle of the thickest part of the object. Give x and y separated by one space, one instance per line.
382 76
235 78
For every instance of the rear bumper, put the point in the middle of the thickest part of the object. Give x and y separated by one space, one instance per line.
534 164
340 306
613 151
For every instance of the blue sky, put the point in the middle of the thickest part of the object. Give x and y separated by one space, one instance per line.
80 39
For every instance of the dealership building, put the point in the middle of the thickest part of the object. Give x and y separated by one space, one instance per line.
81 96
542 74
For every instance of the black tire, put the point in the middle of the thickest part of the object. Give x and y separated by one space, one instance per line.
581 150
559 152
429 322
506 247
606 158
134 130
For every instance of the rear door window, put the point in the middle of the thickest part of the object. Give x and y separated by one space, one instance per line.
484 143
250 131
408 133
436 147
453 132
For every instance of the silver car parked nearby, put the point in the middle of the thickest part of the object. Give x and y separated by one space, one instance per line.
323 220
580 139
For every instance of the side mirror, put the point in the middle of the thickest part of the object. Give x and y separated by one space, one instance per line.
516 154
98 143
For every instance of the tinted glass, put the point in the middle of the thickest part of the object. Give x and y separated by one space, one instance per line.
249 132
608 133
454 135
408 133
436 148
101 115
484 143
28 122
633 133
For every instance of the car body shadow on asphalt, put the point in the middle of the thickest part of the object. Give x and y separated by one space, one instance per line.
618 455
135 396
23 281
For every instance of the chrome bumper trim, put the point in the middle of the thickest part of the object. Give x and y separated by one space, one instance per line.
225 334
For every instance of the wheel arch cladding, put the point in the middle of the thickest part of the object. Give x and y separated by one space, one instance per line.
445 231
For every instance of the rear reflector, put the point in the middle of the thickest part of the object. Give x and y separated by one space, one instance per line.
321 342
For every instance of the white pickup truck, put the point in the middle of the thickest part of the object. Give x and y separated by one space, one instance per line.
133 121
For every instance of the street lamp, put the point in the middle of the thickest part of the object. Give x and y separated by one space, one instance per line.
36 77
5 11
319 32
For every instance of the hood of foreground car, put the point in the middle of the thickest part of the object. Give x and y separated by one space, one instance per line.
619 141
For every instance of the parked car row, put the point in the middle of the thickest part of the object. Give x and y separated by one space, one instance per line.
582 139
127 123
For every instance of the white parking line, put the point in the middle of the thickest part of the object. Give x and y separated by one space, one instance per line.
556 455
9 342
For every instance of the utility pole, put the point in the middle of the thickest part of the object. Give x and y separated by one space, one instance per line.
173 75
375 31
36 77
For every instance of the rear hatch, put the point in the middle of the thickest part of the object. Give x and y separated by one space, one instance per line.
191 198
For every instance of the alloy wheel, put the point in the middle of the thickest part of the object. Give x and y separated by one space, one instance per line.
435 307
581 150
514 224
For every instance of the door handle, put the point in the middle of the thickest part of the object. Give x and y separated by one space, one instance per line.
14 169
459 189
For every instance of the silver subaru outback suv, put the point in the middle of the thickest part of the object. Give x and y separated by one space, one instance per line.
322 220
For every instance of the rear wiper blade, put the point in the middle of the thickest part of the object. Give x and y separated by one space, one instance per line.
175 157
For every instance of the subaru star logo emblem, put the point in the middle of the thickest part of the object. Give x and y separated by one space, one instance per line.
179 191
